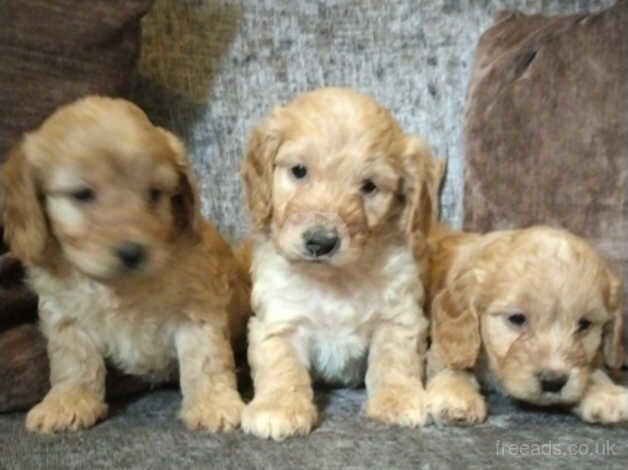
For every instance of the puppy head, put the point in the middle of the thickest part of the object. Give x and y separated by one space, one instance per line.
543 304
102 186
331 175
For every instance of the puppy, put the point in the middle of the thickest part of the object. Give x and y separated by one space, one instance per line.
100 206
533 313
332 186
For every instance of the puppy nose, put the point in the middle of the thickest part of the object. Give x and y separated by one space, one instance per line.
131 254
320 240
552 380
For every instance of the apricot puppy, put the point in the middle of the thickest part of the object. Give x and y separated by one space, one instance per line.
100 206
533 312
333 185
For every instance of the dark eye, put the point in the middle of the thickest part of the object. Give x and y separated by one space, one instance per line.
84 195
154 195
368 187
298 171
517 319
583 325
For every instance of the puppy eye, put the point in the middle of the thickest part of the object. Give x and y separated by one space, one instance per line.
517 319
368 187
84 195
583 325
298 171
154 195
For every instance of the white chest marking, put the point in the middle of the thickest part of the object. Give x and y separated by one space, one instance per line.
137 342
332 319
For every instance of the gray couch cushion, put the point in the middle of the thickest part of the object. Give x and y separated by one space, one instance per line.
143 434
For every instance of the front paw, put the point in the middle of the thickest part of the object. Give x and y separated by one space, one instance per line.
69 410
279 418
457 407
214 413
604 404
400 405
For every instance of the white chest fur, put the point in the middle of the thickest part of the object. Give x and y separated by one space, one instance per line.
331 319
136 341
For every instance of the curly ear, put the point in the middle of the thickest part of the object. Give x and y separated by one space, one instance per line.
613 335
456 324
412 174
257 173
429 203
186 202
424 174
25 225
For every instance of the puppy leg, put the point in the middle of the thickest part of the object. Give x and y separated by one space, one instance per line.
283 405
77 376
453 398
207 378
394 375
603 402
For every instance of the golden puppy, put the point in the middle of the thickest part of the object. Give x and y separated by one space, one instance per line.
332 186
100 206
531 312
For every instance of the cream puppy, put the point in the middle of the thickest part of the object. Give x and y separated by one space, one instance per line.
333 185
100 206
534 313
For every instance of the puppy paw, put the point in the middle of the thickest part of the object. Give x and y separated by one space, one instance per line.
457 407
270 418
604 404
69 410
215 413
400 405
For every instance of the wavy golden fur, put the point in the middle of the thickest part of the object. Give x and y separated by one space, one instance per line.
530 311
334 165
101 207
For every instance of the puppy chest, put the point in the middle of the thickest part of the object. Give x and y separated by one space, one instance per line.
335 357
137 342
333 338
144 347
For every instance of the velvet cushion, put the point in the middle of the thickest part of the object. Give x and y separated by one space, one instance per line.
55 51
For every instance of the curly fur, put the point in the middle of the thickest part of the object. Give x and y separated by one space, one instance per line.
353 315
554 281
153 320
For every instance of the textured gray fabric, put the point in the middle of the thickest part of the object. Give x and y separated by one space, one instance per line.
211 69
143 434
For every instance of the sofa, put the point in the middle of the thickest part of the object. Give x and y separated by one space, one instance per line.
209 70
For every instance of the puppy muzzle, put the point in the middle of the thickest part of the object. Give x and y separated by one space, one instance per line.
314 236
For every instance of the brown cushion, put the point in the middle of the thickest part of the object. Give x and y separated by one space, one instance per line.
17 304
24 372
55 51
546 128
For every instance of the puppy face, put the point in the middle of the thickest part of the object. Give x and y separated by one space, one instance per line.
544 303
101 184
330 176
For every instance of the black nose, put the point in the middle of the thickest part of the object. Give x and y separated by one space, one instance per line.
320 241
131 254
552 381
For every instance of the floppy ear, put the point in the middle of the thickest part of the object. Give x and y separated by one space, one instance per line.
613 335
423 175
412 168
25 226
429 207
257 173
456 324
185 202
